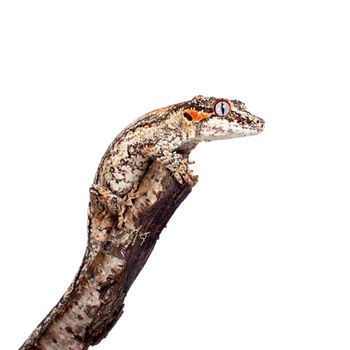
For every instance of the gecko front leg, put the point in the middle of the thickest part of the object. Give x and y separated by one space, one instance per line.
177 163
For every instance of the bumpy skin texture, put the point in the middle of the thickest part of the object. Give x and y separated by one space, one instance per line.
169 134
142 179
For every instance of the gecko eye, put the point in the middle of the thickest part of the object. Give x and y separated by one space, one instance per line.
222 108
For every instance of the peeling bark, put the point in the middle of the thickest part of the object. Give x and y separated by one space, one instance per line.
115 255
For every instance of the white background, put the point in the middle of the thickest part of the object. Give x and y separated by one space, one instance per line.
258 256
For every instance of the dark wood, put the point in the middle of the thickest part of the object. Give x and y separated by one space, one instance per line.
117 251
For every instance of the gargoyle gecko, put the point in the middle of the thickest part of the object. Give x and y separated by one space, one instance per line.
168 135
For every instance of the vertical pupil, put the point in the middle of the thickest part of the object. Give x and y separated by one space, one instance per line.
222 108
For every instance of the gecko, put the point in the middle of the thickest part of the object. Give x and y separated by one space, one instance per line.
168 135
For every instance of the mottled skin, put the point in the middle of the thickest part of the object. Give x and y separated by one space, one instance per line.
169 134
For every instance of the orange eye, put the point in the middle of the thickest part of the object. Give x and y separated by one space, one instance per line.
222 108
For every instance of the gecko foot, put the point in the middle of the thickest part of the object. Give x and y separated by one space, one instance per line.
104 201
177 163
179 166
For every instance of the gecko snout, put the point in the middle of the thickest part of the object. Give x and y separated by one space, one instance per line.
254 124
259 124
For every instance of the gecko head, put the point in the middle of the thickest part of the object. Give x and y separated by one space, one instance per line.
210 118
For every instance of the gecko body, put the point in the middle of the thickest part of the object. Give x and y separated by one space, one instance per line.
168 135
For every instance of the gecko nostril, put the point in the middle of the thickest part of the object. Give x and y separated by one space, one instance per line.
259 124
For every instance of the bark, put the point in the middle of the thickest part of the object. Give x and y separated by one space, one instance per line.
114 257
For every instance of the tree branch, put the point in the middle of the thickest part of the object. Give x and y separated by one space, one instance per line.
117 251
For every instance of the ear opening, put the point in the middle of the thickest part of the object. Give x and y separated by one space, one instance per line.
196 116
188 116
